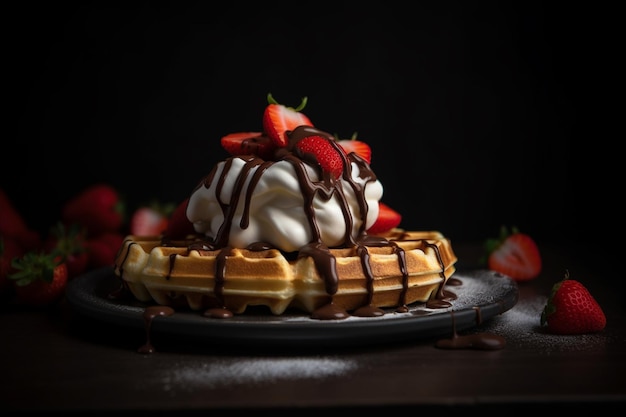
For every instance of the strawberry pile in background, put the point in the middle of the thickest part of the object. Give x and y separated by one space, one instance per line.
35 268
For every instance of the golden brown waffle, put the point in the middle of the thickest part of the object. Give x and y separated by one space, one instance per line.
173 274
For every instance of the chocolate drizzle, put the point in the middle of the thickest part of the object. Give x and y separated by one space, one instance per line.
326 187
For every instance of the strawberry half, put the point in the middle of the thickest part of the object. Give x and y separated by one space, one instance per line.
387 219
278 119
246 143
151 220
571 309
319 149
514 254
358 147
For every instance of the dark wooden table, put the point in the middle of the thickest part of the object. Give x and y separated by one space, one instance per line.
61 360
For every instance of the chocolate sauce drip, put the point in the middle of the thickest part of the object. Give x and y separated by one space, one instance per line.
218 313
120 266
330 311
368 311
172 262
325 263
123 288
367 271
220 267
229 209
440 294
477 341
259 246
245 218
454 282
149 315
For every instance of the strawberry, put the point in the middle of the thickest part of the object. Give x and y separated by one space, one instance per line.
9 249
40 279
245 143
103 249
278 119
179 225
68 242
514 254
97 209
323 152
150 220
387 219
13 225
571 309
360 148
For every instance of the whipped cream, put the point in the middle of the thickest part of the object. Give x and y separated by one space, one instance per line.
267 201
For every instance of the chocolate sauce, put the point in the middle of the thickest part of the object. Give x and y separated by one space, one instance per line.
330 311
326 187
454 282
218 313
149 315
476 341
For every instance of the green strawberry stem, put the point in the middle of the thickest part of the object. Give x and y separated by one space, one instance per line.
271 100
33 266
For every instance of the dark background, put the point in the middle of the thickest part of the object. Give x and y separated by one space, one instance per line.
479 114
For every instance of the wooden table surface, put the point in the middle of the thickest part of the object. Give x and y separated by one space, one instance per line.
61 360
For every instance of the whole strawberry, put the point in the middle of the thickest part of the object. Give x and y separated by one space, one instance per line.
103 248
571 309
40 279
97 209
68 242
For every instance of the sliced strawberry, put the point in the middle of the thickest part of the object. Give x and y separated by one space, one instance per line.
246 143
319 149
278 119
358 147
387 219
514 254
179 225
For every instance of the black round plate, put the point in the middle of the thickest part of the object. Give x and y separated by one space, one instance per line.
481 295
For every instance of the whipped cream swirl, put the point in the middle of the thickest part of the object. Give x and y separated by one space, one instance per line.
286 203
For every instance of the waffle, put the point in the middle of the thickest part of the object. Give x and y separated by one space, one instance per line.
184 273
